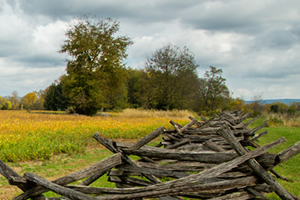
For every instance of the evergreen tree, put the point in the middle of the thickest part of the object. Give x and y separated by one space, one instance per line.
54 98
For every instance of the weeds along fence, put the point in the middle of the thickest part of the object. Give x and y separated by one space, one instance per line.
201 160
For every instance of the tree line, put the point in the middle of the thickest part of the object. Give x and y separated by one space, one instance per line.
153 87
98 79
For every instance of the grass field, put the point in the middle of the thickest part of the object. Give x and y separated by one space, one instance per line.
36 141
39 136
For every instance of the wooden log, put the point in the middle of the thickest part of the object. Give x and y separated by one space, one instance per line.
263 188
72 194
228 115
104 190
203 138
255 166
169 198
160 172
183 190
238 195
146 159
109 144
267 160
102 165
133 163
154 171
256 193
210 144
176 126
193 147
119 172
213 131
198 124
251 142
129 181
244 117
178 144
232 174
285 155
251 121
173 137
214 138
207 156
191 123
289 152
204 131
256 137
179 166
148 138
93 178
204 119
130 193
15 179
222 122
279 176
252 132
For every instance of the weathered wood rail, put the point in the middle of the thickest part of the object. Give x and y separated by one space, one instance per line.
201 160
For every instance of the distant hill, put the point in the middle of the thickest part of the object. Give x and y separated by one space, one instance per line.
285 101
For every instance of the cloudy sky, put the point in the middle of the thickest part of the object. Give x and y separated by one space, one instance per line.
256 43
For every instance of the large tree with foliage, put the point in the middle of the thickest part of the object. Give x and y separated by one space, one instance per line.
171 78
213 92
95 72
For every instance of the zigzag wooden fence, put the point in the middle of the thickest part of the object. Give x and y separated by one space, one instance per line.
202 160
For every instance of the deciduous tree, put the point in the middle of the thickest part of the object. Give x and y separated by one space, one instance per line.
14 99
5 104
213 91
171 77
257 104
28 100
95 72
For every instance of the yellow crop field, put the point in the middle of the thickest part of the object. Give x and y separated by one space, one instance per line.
30 136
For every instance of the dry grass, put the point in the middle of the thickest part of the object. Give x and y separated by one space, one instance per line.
285 120
171 114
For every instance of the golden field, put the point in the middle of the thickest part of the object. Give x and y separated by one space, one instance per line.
39 135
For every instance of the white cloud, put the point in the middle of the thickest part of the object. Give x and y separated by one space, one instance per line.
48 38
